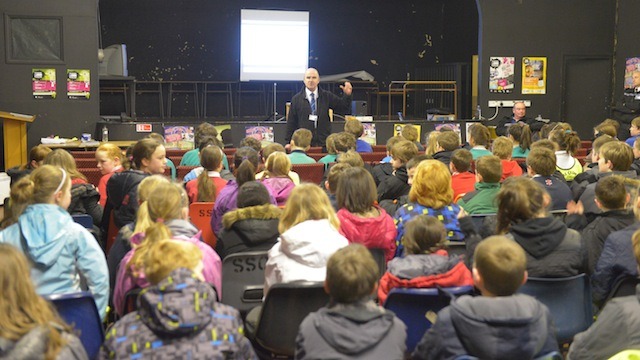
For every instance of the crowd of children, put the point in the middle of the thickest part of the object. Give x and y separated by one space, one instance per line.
519 208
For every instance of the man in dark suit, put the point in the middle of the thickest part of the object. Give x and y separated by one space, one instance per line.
310 108
519 115
629 107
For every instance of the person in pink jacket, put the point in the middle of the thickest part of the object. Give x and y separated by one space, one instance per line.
168 211
361 219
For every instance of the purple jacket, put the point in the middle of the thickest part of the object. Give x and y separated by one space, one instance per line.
226 201
181 230
280 187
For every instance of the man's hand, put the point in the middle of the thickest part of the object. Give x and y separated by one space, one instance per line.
347 88
575 208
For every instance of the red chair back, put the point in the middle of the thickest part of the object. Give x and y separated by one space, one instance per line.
200 213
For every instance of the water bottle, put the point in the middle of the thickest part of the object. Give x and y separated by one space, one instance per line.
479 110
105 133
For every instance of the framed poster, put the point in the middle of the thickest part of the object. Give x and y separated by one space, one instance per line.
534 75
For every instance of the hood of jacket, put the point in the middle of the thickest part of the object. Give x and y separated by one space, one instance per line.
182 228
280 187
353 328
311 242
539 236
255 224
43 227
508 327
177 306
372 231
121 183
412 266
32 345
510 168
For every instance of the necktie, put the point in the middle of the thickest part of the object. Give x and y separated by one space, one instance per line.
313 104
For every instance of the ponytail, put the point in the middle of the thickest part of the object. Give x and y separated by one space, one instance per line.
21 196
567 140
525 138
211 160
245 172
246 161
155 233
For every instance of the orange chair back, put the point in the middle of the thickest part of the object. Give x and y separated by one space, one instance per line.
200 213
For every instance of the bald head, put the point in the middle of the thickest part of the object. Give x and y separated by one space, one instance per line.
311 79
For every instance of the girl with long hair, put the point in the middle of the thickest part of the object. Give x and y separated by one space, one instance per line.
207 186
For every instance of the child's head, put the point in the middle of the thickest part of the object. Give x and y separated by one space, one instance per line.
354 127
146 187
603 129
612 122
479 135
20 197
489 169
597 145
202 131
335 173
331 143
611 193
36 156
47 184
109 157
424 234
301 139
412 165
253 193
432 185
270 149
448 141
502 147
392 141
541 161
278 165
157 137
169 255
344 141
615 156
546 129
410 133
307 202
352 274
245 161
251 142
635 127
566 140
402 152
209 141
636 149
352 158
431 142
635 240
149 156
168 202
519 199
211 160
521 135
461 160
62 159
499 266
356 190
545 143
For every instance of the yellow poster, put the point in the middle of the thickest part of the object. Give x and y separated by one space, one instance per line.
534 75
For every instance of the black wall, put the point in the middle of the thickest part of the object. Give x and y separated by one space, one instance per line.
562 31
59 116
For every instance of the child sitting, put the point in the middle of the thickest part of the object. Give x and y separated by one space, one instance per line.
276 176
270 149
634 131
178 314
209 183
110 160
591 167
396 185
462 179
194 173
410 132
331 184
482 200
426 263
169 163
448 142
300 143
352 326
541 165
567 142
36 157
341 143
479 137
361 220
500 324
521 137
384 169
502 147
204 132
354 127
635 166
331 150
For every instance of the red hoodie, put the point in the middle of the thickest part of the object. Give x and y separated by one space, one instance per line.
510 168
462 183
375 232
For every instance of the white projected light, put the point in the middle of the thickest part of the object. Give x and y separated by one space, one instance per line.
274 45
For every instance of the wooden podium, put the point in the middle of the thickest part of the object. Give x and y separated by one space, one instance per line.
15 138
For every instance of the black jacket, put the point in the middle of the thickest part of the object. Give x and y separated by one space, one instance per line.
502 128
248 229
381 172
300 109
122 197
84 200
443 156
394 186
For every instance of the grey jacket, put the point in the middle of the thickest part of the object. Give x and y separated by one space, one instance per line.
33 346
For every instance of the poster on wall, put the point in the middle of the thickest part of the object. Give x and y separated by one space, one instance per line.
631 65
534 75
43 83
178 137
501 74
264 134
369 134
78 84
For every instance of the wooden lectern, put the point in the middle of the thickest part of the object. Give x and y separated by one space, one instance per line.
15 138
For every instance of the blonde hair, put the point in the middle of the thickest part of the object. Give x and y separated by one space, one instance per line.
62 159
22 309
501 263
37 154
168 255
302 138
20 198
307 202
113 152
165 203
352 274
278 165
40 186
431 185
410 133
404 151
502 147
146 187
354 127
351 157
432 143
331 143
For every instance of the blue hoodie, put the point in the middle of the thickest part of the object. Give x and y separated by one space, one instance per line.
60 250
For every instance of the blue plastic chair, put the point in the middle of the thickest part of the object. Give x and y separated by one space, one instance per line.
412 305
83 219
79 310
568 300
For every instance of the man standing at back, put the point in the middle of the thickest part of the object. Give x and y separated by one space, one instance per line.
310 108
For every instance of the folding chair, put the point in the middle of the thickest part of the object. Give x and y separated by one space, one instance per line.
200 213
243 279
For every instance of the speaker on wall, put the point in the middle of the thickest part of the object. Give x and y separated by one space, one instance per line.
358 108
